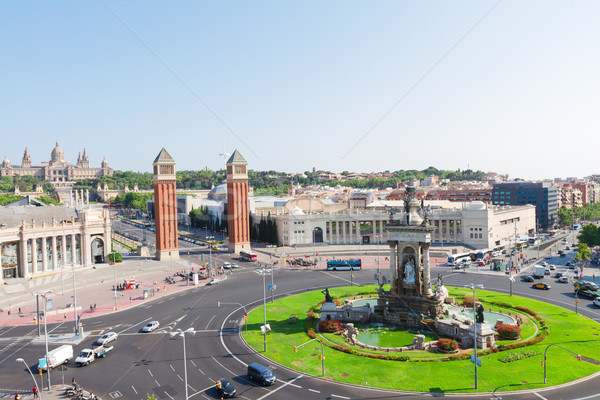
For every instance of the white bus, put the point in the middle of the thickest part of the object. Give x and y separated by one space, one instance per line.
456 259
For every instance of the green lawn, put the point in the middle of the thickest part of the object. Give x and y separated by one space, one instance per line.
567 329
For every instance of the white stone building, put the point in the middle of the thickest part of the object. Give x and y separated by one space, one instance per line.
39 241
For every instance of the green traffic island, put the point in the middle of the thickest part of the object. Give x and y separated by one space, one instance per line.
513 364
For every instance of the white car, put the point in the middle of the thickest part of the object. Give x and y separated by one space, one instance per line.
234 265
150 326
213 281
544 263
596 301
552 267
226 265
107 338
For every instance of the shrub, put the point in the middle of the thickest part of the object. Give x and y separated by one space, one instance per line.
292 319
115 257
447 344
510 357
311 333
330 326
468 301
508 331
310 316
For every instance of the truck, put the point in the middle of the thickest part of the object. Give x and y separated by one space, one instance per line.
58 356
539 271
86 356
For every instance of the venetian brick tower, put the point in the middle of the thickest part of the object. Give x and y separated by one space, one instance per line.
238 223
165 207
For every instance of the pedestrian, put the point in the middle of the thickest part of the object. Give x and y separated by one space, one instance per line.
34 320
17 397
129 298
94 306
35 393
65 316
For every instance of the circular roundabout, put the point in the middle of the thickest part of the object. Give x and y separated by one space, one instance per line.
552 343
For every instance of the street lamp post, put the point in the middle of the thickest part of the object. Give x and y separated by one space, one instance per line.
114 253
45 298
322 353
75 303
264 310
181 333
473 286
30 373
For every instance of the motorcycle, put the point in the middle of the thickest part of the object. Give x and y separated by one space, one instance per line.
73 391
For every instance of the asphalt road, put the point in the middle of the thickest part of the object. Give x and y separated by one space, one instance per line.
144 363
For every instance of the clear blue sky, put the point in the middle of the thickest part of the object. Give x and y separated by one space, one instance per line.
294 85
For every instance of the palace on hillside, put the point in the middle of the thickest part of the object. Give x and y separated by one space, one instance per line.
58 171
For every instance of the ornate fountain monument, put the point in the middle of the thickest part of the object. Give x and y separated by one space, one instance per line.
410 299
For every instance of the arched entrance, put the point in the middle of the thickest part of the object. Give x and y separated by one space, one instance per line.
97 251
317 235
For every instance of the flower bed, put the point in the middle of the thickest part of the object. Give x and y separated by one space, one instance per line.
509 332
447 346
330 326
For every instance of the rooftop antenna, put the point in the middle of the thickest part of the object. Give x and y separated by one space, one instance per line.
224 154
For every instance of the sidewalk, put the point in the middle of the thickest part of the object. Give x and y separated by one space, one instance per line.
94 290
56 392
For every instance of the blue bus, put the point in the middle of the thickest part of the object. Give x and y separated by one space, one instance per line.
344 265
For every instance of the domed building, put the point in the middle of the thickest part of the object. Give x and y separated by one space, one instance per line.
58 171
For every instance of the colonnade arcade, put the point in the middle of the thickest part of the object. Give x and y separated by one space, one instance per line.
46 255
354 231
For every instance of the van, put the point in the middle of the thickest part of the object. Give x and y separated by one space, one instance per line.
60 355
261 374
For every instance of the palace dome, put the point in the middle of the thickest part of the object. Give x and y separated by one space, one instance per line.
57 154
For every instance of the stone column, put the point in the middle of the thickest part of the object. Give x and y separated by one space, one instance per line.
374 229
358 237
393 269
63 249
455 231
44 256
34 251
381 229
73 250
350 232
441 238
22 265
337 232
54 256
344 231
426 270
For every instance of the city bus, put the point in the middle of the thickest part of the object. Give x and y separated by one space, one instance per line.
344 265
248 255
456 259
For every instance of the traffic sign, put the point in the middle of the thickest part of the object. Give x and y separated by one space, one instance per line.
478 360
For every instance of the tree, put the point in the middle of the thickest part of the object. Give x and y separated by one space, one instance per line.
590 235
583 252
565 216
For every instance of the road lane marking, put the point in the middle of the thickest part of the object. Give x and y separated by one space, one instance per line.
172 369
225 368
150 372
540 396
296 386
314 391
213 317
136 392
340 397
280 387
180 378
